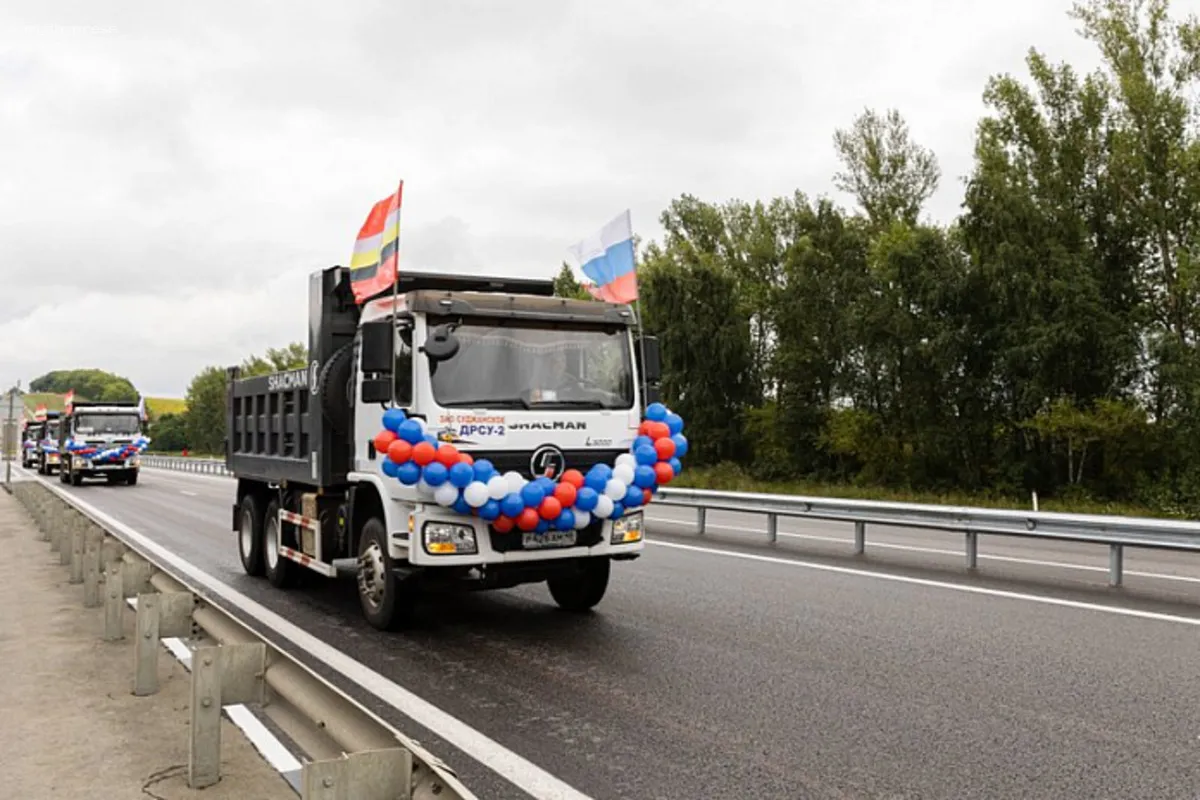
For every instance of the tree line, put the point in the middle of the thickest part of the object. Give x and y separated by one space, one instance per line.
1047 338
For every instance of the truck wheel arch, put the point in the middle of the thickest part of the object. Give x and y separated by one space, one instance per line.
365 502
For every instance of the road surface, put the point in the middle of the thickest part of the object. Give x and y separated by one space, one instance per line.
718 669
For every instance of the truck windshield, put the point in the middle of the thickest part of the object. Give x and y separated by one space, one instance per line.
107 424
526 365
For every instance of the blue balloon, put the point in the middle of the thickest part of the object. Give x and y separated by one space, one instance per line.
408 473
617 511
389 467
435 473
393 418
532 494
674 423
410 431
566 520
542 526
460 505
429 437
461 474
644 477
676 465
489 510
596 479
681 444
512 504
641 441
646 455
633 497
656 412
546 484
586 498
484 470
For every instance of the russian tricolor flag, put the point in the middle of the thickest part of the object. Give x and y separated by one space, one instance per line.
608 262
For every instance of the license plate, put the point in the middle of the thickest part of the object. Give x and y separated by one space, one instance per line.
549 539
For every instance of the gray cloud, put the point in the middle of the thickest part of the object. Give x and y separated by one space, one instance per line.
181 168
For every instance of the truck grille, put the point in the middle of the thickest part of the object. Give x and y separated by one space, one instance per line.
518 460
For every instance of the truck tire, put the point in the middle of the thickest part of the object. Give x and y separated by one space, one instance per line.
131 477
581 589
76 478
283 573
250 536
387 601
332 388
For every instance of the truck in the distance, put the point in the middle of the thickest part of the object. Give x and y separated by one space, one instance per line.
492 397
45 433
29 444
101 439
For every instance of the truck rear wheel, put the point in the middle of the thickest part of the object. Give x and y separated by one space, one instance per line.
131 477
250 536
281 572
387 602
582 588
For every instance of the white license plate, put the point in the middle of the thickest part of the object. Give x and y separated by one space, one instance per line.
549 539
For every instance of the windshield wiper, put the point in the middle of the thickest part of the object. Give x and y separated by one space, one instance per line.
570 404
499 402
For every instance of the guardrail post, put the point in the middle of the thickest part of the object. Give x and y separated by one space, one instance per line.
145 648
78 532
221 675
66 538
91 569
1116 564
860 538
365 775
701 513
772 528
972 549
114 603
55 528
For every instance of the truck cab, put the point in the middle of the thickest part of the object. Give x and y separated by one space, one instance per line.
46 451
101 439
29 444
523 387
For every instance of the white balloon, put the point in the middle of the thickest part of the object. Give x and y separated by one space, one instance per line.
424 489
446 494
476 494
626 458
497 487
615 490
515 481
604 506
624 474
582 520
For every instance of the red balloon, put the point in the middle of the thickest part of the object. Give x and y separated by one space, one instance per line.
665 449
447 455
646 495
399 451
644 428
503 524
465 458
565 494
571 477
528 519
550 508
423 453
658 430
383 440
663 472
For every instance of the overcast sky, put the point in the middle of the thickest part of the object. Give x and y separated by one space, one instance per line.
170 172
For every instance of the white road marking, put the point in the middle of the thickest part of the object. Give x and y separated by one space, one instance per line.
932 584
514 768
871 544
189 494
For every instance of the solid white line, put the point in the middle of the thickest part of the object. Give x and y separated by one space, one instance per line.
265 742
180 650
518 770
189 494
956 587
871 544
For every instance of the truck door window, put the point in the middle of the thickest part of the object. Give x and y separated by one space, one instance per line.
402 371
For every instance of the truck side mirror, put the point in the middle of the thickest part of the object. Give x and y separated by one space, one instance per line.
377 341
651 360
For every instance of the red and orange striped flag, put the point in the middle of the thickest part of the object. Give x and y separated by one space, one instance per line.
376 250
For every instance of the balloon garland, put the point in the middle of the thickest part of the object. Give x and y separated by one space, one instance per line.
453 479
110 454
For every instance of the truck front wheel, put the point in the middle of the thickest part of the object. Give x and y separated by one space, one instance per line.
387 602
582 588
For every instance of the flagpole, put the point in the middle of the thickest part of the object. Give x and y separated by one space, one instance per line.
637 310
395 285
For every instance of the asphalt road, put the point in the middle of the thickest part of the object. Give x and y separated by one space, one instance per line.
716 668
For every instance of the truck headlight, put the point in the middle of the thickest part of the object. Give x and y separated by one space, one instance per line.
627 529
449 539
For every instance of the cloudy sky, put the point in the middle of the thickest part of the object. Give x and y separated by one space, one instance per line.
170 172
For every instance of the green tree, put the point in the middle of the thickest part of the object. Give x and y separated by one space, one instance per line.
565 285
169 433
94 384
276 359
205 426
889 174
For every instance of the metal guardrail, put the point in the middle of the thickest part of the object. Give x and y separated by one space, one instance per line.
351 752
1114 531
